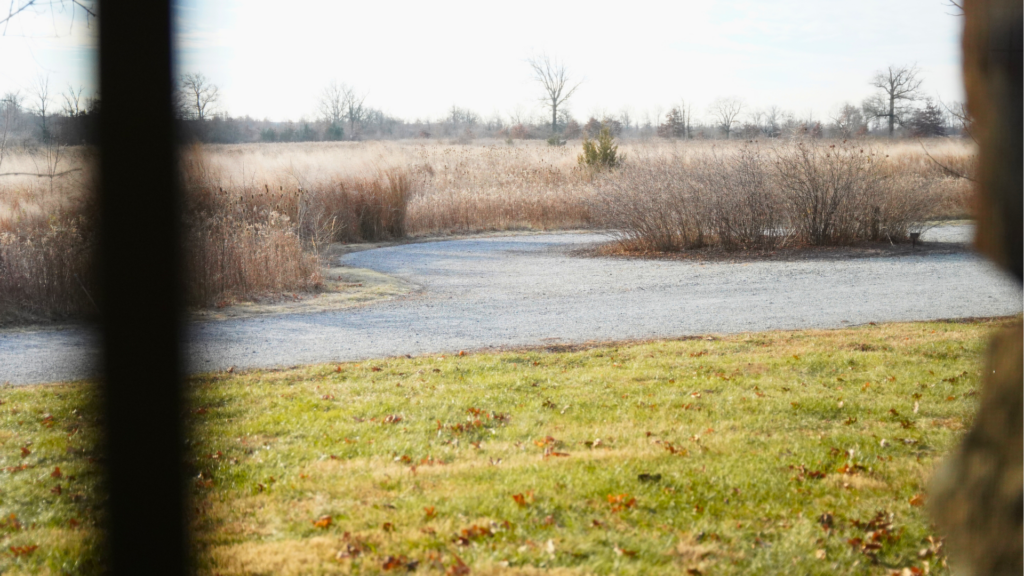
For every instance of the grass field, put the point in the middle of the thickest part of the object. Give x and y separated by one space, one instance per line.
782 452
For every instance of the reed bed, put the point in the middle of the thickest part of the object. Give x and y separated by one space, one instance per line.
258 216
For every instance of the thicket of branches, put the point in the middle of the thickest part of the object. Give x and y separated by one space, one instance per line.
762 198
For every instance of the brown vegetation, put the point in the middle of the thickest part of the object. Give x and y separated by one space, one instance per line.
258 217
751 196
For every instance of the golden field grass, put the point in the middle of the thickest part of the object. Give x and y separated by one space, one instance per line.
259 216
780 452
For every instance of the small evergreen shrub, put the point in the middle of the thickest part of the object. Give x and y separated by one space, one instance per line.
600 153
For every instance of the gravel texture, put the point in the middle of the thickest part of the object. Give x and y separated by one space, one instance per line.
527 290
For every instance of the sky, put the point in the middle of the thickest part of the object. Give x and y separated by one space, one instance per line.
418 59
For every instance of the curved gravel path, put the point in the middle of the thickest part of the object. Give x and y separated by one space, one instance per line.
526 290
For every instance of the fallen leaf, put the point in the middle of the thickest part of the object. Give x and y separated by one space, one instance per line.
322 522
56 472
459 568
820 554
400 562
917 500
23 550
429 512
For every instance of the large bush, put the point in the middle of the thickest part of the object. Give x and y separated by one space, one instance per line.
761 198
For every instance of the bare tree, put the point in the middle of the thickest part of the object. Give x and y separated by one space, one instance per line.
627 118
557 82
517 115
341 102
960 118
686 117
41 100
10 109
771 121
898 85
331 106
354 108
72 106
847 121
726 112
200 95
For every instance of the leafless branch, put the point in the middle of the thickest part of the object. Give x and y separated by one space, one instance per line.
946 169
41 175
14 10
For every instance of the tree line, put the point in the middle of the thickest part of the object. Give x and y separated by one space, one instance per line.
897 108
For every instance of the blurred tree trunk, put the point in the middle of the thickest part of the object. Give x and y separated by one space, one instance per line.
978 494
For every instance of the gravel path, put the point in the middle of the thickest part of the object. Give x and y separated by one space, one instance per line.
526 290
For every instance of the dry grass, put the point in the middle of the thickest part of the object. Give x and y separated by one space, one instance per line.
258 215
46 235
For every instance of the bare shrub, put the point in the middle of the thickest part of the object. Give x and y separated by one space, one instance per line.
839 194
751 198
746 213
652 204
685 202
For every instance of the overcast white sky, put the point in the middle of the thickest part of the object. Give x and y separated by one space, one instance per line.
417 59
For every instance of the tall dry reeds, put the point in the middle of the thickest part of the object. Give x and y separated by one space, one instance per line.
46 239
257 216
498 187
247 240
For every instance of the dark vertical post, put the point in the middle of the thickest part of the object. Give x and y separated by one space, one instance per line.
140 281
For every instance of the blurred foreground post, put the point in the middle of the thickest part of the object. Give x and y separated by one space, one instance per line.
978 494
140 281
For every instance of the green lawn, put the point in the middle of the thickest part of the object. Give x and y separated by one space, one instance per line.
801 452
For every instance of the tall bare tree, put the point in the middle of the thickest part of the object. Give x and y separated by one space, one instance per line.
726 113
41 100
330 107
10 110
898 86
558 84
72 106
199 94
353 104
687 109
